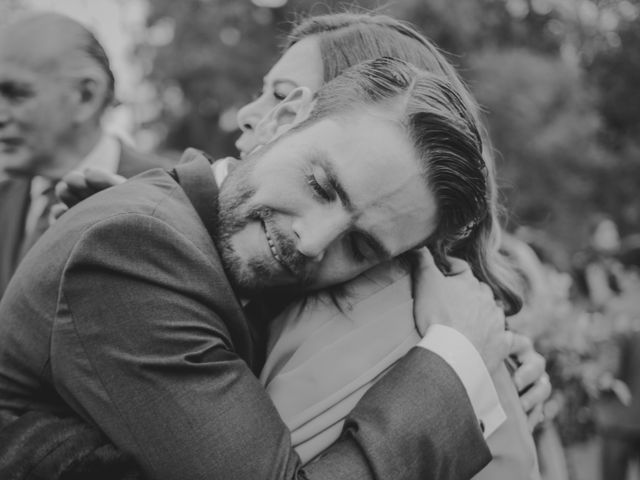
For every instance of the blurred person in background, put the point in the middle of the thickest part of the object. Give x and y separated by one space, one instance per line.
379 302
55 86
626 306
617 411
597 269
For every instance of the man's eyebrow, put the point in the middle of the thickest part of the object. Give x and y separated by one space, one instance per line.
320 158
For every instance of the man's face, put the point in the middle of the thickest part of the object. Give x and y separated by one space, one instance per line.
322 204
36 113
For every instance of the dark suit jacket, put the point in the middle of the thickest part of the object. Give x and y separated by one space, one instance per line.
14 205
122 314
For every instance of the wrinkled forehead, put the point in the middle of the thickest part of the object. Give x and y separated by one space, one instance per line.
369 156
381 168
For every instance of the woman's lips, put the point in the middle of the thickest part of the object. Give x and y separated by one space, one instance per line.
244 146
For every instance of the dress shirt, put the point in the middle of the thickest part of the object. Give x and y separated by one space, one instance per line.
453 347
465 360
38 203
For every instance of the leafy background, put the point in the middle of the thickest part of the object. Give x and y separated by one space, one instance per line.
558 81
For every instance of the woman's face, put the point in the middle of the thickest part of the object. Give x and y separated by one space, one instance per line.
300 66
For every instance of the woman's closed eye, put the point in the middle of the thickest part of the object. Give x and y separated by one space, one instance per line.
280 94
280 89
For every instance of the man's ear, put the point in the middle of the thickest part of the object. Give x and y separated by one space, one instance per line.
90 97
288 113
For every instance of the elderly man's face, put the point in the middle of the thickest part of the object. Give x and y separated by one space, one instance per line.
36 112
322 204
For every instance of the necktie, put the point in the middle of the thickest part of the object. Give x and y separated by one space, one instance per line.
41 208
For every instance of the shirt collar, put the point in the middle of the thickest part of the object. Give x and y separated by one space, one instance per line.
39 185
221 169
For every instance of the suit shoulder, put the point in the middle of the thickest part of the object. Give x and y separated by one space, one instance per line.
153 193
139 195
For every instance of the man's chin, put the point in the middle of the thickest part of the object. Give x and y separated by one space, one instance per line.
250 285
14 173
251 281
15 166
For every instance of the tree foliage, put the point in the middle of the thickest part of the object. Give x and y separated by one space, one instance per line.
558 81
544 124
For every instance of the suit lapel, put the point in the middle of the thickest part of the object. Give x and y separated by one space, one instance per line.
14 203
195 176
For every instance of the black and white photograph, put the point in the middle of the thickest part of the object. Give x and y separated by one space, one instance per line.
319 240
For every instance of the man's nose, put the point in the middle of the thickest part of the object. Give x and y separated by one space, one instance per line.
316 233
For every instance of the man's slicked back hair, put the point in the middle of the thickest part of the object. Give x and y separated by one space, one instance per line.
447 142
346 39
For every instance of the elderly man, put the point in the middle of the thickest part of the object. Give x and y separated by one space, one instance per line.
129 313
55 85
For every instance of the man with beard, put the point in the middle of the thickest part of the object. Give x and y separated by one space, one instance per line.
135 322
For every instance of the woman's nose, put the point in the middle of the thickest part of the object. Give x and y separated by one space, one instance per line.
249 116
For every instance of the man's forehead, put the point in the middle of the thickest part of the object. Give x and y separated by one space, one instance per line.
36 45
371 164
372 145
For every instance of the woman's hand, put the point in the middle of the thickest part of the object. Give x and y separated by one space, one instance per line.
530 378
461 302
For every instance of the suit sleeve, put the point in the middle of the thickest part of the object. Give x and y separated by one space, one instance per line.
140 349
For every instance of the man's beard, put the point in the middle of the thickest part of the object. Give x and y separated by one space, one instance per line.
250 276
